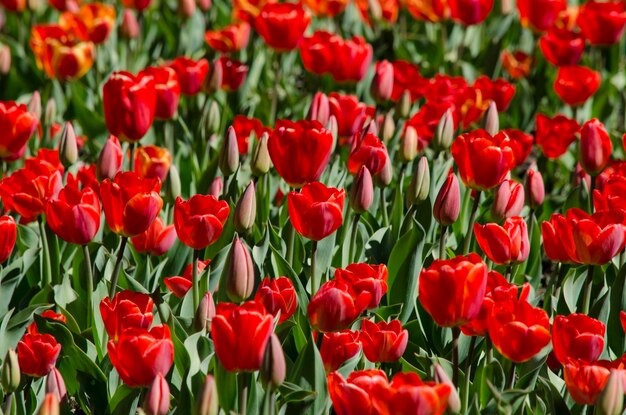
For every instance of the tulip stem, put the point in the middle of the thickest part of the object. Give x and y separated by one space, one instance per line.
591 189
291 239
442 243
47 265
118 267
314 282
89 281
195 291
510 383
588 286
456 332
277 75
383 207
131 160
243 395
355 231
468 370
470 229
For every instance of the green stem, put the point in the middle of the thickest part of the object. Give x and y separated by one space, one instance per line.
291 239
194 279
591 189
456 332
89 288
277 76
355 231
314 281
131 160
118 267
442 242
243 393
588 286
383 206
468 370
511 378
470 229
47 265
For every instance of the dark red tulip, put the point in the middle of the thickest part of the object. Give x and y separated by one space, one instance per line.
595 147
350 113
37 354
448 202
326 8
229 39
339 347
504 244
554 135
282 25
18 125
8 236
540 15
335 306
233 73
562 47
602 22
577 336
407 77
138 5
520 142
244 127
367 151
277 295
180 285
73 214
499 91
127 310
365 392
316 211
409 392
191 73
167 91
199 221
157 240
576 84
365 278
585 381
597 238
470 12
383 342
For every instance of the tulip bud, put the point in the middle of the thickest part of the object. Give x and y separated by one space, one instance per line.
319 109
213 81
10 372
110 159
492 122
172 183
212 120
34 105
239 271
51 112
130 26
55 384
454 402
5 59
448 201
261 162
507 7
384 177
534 188
229 154
508 201
205 313
204 5
382 83
217 187
420 183
403 107
68 149
157 401
408 149
372 128
445 131
207 403
50 405
595 147
362 191
375 9
273 368
333 127
611 399
245 210
186 8
389 128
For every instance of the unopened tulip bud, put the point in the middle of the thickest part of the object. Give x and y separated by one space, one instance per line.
34 105
205 313
157 401
50 405
204 5
611 400
130 26
333 127
207 402
239 272
506 6
55 384
382 83
362 191
408 145
420 183
403 107
508 201
217 187
454 402
212 120
186 8
448 201
445 131
372 128
319 109
10 372
213 81
273 368
261 162
389 128
535 190
5 59
110 159
50 113
68 149
384 177
245 210
229 154
375 9
172 183
492 122
595 147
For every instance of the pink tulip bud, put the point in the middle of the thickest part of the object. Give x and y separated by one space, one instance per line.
213 80
384 177
110 159
34 105
239 272
362 191
408 145
55 384
448 201
217 186
492 122
205 313
454 402
207 402
595 147
273 368
245 210
534 188
157 401
581 176
204 5
130 26
68 149
5 59
382 83
508 201
50 405
611 399
229 154
186 8
319 109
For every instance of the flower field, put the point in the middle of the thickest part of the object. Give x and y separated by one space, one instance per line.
351 207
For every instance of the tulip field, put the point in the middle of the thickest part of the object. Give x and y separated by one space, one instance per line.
350 207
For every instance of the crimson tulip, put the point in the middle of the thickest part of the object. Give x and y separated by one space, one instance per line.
504 244
277 295
229 39
448 201
598 237
247 10
157 240
554 135
167 90
282 25
407 77
365 392
127 310
244 127
585 380
8 236
138 5
508 201
602 22
37 354
383 342
316 211
577 336
191 73
326 8
365 278
48 314
562 47
409 392
93 22
180 285
350 113
335 306
595 147
499 91
470 12
367 151
199 221
540 14
152 161
339 347
576 84
18 125
520 142
233 73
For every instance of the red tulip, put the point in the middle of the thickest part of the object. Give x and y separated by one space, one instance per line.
499 91
247 10
383 342
130 203
622 317
517 63
365 278
504 244
180 285
452 290
157 240
200 220
335 306
382 83
8 236
386 10
540 14
508 200
17 6
448 201
48 314
282 25
140 355
229 39
129 104
73 214
337 348
138 5
470 12
152 162
93 22
602 23
585 381
233 73
37 354
407 77
231 324
129 28
365 392
576 84
409 393
350 113
520 142
326 8
319 110
167 91
595 147
277 295
562 47
577 336
598 237
191 73
300 151
316 211
127 310
18 125
367 151
554 135
426 120
534 188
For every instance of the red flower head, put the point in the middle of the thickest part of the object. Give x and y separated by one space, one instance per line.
191 73
337 348
152 162
483 160
277 294
86 177
428 10
138 5
540 15
597 238
244 126
409 392
365 392
558 240
554 135
335 306
499 91
127 310
93 22
426 120
129 104
383 342
595 147
180 285
407 77
130 203
326 8
470 12
300 151
37 354
562 47
622 317
316 211
520 142
231 324
577 336
366 278
368 151
350 113
233 73
452 290
167 91
602 23
8 236
508 200
504 244
613 194
282 25
386 10
17 6
200 220
18 125
157 240
247 10
585 381
231 38
139 354
48 314
576 84
517 64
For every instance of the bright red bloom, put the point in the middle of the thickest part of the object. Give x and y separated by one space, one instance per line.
86 176
598 237
127 310
577 336
602 22
554 135
518 330
14 5
499 91
244 126
48 314
233 73
17 125
613 194
407 77
540 15
410 394
425 121
316 211
300 151
282 25
73 214
138 5
92 22
335 306
247 10
386 9
200 220
576 84
428 10
558 241
129 104
231 324
520 142
130 203
452 290
504 244
365 392
383 342
585 381
277 294
622 317
595 147
152 162
483 160
562 47
167 91
337 348
191 73
326 8
369 151
37 354
229 39
157 240
366 278
470 12
180 285
448 201
518 63
8 236
350 113
140 354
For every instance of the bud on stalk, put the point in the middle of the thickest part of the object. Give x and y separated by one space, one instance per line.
362 191
229 154
245 210
448 201
157 401
273 368
207 401
10 372
261 162
239 271
68 149
420 183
